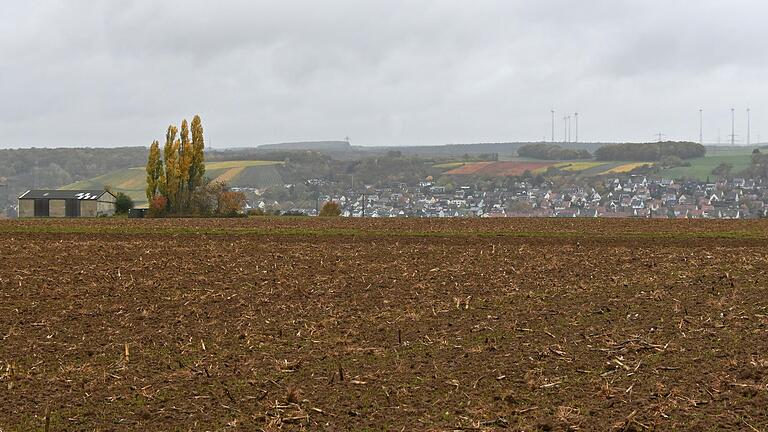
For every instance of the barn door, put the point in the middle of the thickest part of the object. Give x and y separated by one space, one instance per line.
41 208
72 208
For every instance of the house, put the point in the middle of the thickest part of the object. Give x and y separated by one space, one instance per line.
66 203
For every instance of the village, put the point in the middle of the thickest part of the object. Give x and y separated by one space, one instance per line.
635 196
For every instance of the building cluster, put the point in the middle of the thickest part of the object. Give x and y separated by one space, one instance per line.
629 197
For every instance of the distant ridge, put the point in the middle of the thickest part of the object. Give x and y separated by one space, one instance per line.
344 147
308 145
452 149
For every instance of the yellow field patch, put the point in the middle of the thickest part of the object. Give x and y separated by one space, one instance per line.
626 168
578 166
228 175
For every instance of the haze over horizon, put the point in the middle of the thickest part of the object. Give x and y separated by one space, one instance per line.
77 73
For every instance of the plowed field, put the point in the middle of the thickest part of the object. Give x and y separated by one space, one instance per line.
337 324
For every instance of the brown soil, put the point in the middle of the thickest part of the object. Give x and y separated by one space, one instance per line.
615 325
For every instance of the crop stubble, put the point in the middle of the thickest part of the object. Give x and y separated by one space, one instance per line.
596 330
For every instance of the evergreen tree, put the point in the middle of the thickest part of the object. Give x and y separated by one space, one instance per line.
154 170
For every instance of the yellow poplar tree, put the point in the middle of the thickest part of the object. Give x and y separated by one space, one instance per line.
186 154
197 166
171 158
154 170
182 168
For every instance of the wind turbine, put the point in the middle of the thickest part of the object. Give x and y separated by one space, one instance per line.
553 125
576 137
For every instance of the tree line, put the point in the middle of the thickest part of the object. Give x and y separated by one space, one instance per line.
176 182
546 151
175 177
51 168
649 152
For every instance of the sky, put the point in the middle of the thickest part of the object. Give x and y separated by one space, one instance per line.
109 73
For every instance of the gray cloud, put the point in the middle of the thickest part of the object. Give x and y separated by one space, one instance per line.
383 72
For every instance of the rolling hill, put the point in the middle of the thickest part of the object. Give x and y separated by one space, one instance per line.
132 181
701 168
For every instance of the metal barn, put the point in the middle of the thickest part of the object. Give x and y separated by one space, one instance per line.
66 203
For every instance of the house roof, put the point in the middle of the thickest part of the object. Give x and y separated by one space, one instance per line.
63 194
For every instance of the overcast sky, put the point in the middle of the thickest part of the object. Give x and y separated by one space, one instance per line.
390 72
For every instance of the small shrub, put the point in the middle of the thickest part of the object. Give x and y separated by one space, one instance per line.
330 209
230 203
724 169
671 162
158 206
123 203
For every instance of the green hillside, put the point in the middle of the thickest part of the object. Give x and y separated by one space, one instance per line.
132 181
701 168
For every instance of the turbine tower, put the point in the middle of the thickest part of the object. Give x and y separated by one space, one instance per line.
733 126
749 133
576 137
701 126
553 126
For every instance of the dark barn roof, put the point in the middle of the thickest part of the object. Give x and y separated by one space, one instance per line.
63 194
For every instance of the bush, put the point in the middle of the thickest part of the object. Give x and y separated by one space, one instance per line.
263 212
123 203
158 207
230 204
672 162
330 209
723 170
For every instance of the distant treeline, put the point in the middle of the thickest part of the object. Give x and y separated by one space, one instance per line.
551 152
46 168
649 152
309 145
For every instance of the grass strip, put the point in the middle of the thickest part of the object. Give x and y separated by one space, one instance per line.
356 232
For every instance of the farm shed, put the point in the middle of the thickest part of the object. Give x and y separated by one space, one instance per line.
66 203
